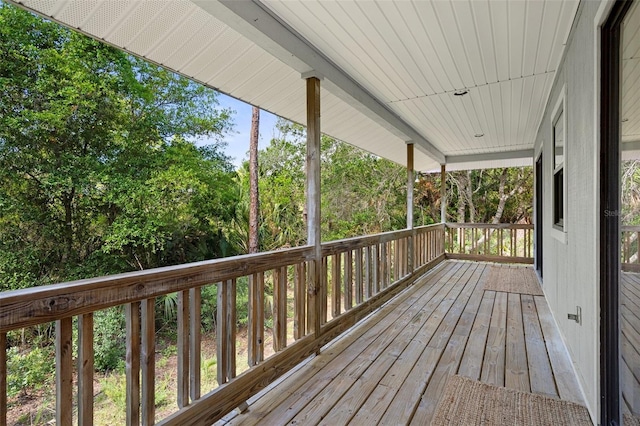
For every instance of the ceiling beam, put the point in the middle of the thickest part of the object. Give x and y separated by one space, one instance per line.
254 21
491 156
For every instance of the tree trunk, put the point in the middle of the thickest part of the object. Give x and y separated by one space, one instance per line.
67 201
469 192
254 203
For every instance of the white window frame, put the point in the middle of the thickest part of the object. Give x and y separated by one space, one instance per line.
557 231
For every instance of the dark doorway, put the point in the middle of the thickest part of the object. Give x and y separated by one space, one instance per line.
538 225
610 208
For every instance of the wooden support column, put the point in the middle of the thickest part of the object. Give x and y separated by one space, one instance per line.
313 201
410 180
443 193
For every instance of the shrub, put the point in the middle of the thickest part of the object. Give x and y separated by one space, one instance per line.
109 339
29 370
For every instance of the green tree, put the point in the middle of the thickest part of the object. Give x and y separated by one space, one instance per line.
96 171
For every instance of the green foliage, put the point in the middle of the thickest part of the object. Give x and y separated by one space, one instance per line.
29 370
98 170
493 195
115 388
109 339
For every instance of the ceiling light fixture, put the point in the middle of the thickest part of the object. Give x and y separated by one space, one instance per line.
478 135
460 92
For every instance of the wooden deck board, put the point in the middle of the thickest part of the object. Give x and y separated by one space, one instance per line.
516 372
309 384
630 342
540 373
392 367
493 365
431 318
452 355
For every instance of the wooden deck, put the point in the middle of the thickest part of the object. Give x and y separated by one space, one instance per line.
391 368
630 342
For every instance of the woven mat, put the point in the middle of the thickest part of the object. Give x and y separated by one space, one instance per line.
513 280
468 402
630 420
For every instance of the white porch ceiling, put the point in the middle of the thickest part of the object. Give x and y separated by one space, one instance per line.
390 68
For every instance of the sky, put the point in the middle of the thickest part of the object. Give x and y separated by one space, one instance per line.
238 141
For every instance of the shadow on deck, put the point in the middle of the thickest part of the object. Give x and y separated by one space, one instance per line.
391 368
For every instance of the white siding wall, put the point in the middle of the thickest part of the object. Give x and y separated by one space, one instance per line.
571 269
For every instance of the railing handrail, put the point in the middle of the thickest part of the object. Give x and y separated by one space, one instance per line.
42 304
37 305
490 225
354 243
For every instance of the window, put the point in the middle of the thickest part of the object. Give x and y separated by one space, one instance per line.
559 143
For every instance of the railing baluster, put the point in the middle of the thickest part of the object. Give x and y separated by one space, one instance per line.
132 317
323 290
511 237
231 329
222 332
195 341
487 241
359 277
64 371
280 309
3 379
367 273
148 315
335 285
376 269
396 263
348 280
183 348
85 369
411 252
383 265
299 311
256 319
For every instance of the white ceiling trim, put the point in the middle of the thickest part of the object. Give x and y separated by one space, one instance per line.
250 19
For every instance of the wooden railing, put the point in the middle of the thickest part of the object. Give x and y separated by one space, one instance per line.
502 242
357 276
630 255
